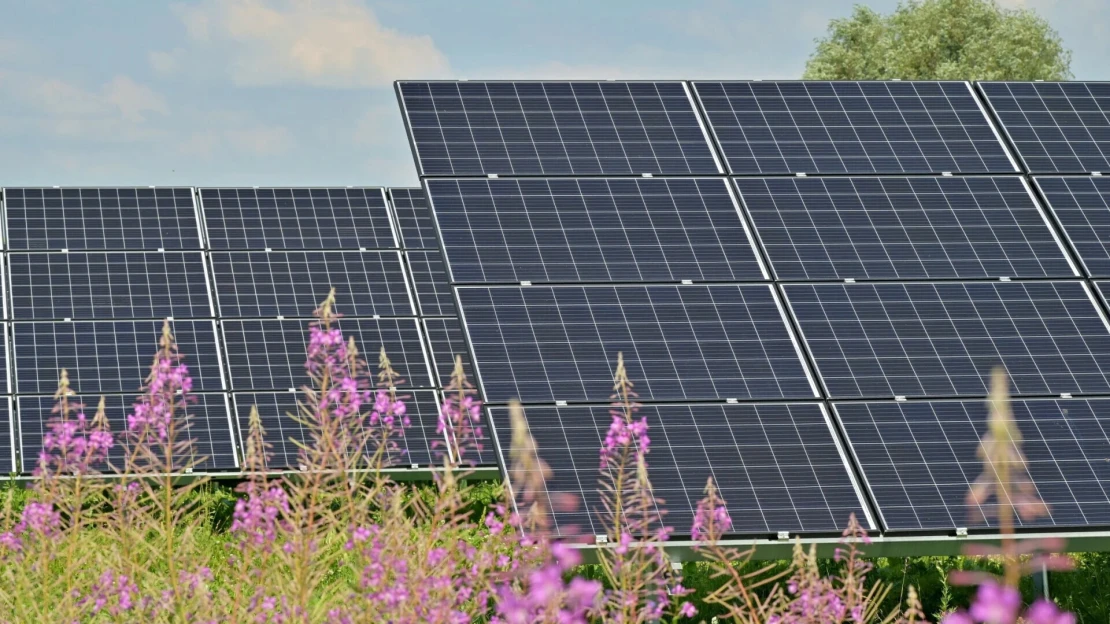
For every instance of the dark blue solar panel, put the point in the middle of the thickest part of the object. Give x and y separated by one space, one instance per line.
7 437
1082 206
417 445
943 339
433 287
99 285
902 228
593 230
555 128
445 335
1056 127
543 344
108 356
293 283
269 354
777 466
414 218
209 427
101 218
776 127
297 218
919 460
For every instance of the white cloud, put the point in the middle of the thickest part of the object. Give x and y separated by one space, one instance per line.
118 110
332 43
237 133
166 61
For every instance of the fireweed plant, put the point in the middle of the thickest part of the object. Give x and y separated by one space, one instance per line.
339 541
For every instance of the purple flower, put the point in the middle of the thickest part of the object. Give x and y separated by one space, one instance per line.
40 518
258 517
687 610
707 514
10 541
957 617
996 604
1046 612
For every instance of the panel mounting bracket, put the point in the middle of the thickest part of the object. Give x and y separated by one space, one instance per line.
800 174
1003 279
561 403
645 175
783 535
601 539
731 401
525 283
492 176
901 398
947 174
688 282
1097 174
1065 395
961 531
849 280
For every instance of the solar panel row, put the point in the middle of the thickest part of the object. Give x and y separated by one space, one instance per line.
606 255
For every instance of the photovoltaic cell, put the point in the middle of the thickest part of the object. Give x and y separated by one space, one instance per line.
109 285
7 443
414 218
1082 206
592 230
943 339
778 127
270 354
549 343
777 466
554 128
101 218
294 283
418 444
297 218
108 356
433 287
209 427
902 228
1056 127
919 460
447 341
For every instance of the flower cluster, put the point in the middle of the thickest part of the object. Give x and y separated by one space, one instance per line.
545 597
69 446
1001 604
623 433
711 519
258 518
153 413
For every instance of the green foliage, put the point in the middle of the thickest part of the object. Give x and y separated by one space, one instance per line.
940 40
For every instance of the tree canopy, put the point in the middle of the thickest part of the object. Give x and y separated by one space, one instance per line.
940 40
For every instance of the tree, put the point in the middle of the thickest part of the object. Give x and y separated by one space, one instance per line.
940 40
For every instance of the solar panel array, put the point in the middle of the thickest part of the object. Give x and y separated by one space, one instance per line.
877 249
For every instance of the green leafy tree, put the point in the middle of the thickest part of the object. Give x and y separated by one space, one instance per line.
941 40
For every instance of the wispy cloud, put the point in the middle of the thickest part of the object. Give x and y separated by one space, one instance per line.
329 43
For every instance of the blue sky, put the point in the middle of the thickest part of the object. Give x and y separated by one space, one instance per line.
298 92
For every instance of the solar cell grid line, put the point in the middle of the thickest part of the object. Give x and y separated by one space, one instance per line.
446 339
210 428
1081 205
881 127
942 339
414 218
431 283
1056 127
293 283
419 444
78 219
7 437
297 218
108 356
270 354
778 466
542 344
109 285
903 228
582 230
918 460
555 128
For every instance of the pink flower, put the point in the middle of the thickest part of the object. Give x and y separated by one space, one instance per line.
996 604
1046 612
258 517
687 610
41 518
957 617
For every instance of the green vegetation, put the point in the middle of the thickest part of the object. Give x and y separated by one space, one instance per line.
940 40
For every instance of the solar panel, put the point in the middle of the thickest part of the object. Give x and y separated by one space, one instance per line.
269 354
1082 207
108 356
919 460
106 285
293 283
777 466
777 127
275 410
593 230
433 286
445 335
902 228
943 339
1056 127
209 428
554 128
101 218
414 218
560 343
297 218
7 437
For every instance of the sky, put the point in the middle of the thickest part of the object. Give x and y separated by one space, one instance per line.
299 92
